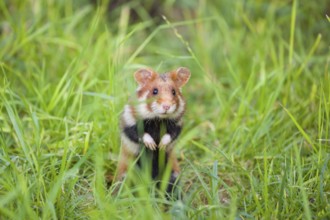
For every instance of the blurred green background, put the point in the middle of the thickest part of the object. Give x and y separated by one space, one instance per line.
256 139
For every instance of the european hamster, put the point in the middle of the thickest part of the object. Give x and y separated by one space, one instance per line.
157 107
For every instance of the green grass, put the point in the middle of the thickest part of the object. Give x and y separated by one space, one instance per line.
256 141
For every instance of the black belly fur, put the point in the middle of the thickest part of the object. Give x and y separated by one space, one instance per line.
153 128
152 157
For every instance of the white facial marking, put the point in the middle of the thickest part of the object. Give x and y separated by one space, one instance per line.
142 107
143 97
143 111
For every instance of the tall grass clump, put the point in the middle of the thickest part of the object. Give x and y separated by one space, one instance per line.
255 144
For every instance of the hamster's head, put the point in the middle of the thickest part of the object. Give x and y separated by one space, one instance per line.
159 95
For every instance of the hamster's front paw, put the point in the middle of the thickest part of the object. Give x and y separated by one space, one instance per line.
166 139
149 141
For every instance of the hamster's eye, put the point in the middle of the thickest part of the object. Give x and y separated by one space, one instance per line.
155 91
173 92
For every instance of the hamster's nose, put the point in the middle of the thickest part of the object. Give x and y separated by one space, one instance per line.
166 107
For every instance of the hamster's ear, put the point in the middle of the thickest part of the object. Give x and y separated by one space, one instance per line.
143 76
180 76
